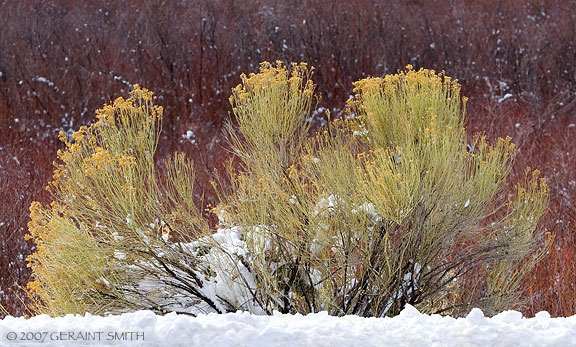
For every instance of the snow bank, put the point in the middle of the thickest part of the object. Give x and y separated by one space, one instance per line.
410 328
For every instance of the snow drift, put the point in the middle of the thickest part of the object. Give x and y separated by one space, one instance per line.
410 328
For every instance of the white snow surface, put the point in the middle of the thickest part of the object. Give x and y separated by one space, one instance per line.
410 328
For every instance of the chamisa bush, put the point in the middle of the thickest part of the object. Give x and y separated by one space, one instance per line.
102 244
386 207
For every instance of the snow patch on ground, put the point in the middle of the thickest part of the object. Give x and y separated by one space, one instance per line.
410 328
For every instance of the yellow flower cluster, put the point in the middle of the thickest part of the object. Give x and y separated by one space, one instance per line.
125 160
101 160
105 114
410 79
533 186
85 150
139 93
270 77
140 97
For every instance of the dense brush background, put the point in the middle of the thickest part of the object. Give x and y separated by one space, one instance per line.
61 60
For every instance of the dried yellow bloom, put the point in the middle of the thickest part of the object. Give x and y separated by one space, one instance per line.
126 160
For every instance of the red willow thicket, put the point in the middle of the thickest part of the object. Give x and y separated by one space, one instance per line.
60 60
